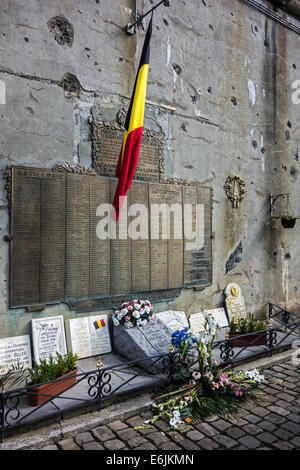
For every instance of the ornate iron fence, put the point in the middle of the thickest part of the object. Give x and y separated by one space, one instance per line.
97 385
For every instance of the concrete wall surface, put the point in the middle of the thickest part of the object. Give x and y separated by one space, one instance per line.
220 84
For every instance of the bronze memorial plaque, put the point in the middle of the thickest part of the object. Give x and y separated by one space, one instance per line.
57 254
107 143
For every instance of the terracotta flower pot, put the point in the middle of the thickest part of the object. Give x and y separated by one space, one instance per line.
288 223
51 388
259 339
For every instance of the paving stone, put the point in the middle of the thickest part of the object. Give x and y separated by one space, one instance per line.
284 445
260 411
250 442
207 444
267 437
126 434
296 441
252 418
235 432
189 445
68 444
212 418
267 426
295 417
291 427
194 435
136 441
278 410
115 444
83 437
276 419
135 421
146 431
263 448
283 435
252 429
225 441
238 421
51 447
92 445
103 433
158 438
221 424
146 446
146 414
162 425
170 446
117 425
206 429
176 436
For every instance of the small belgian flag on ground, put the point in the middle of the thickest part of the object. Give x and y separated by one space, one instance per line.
99 324
129 154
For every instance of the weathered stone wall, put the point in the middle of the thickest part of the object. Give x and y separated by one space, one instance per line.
220 87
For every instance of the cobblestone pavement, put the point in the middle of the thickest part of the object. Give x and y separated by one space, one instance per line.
271 423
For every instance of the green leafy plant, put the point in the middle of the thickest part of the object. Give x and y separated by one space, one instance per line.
52 369
248 324
14 376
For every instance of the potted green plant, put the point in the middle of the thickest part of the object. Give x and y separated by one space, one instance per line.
48 371
240 328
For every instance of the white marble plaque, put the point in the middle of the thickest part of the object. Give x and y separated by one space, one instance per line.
48 337
15 350
235 302
173 320
89 336
219 315
197 322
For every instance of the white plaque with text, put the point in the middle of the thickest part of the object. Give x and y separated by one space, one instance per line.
48 337
13 351
89 336
174 320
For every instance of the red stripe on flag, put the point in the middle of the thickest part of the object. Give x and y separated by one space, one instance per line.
129 162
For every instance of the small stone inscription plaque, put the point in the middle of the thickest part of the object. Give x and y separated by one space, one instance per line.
173 320
89 336
235 302
142 343
197 319
14 350
48 336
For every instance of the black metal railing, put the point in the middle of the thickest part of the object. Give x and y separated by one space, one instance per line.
95 386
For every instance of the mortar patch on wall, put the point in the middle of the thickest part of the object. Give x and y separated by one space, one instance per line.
234 258
62 30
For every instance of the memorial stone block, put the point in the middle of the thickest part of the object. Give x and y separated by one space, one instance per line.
89 336
13 351
48 337
142 343
197 319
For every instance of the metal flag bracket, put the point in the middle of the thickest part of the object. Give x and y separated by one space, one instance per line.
131 28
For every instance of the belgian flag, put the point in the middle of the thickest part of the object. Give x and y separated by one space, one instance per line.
99 324
130 149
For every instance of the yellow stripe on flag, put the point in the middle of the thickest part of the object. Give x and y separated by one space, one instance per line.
137 112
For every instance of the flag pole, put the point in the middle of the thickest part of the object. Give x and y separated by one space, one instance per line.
131 28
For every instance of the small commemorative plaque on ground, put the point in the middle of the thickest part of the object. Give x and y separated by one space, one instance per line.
143 344
89 336
15 351
48 337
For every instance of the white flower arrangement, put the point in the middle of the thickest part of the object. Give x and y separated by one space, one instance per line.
136 312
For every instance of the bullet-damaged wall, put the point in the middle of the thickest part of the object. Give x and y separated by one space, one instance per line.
220 90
